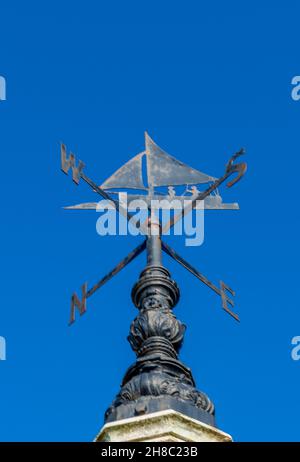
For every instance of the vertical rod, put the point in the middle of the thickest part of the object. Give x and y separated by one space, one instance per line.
154 253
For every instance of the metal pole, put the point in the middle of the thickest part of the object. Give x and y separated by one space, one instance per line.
154 253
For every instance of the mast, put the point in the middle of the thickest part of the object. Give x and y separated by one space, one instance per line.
153 246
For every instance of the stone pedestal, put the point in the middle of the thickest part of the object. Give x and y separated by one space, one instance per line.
166 425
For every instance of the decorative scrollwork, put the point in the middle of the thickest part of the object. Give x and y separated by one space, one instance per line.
156 323
156 336
159 384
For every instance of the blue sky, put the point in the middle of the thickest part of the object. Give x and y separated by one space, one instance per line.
204 79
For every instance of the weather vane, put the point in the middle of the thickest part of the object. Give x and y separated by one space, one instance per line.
158 380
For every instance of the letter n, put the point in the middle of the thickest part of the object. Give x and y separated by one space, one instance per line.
77 303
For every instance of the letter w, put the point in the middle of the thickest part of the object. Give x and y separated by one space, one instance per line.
70 162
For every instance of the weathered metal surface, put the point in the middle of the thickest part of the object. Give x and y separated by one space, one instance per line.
165 170
240 168
226 299
129 176
162 170
77 172
70 162
231 168
77 303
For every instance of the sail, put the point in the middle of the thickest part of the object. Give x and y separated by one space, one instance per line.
129 176
165 170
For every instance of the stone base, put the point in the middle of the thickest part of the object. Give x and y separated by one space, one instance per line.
161 426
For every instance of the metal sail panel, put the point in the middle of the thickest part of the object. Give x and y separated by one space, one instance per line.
84 206
129 176
165 170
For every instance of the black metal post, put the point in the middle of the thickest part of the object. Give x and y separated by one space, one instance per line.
154 253
158 380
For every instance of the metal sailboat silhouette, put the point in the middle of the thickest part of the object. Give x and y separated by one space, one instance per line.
162 170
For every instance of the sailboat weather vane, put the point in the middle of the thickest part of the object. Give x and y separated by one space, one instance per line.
158 380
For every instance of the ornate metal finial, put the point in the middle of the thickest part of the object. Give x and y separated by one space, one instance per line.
158 380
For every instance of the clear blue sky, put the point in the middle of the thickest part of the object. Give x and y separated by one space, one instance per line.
204 79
